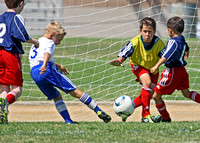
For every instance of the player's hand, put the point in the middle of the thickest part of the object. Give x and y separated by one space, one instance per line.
116 63
43 69
63 69
153 69
36 44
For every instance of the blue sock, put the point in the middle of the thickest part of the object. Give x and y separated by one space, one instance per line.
86 99
62 109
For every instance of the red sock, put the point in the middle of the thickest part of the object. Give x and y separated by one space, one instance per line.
195 96
163 111
145 97
137 101
11 97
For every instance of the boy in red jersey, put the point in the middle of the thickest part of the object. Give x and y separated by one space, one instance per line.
175 75
144 52
13 32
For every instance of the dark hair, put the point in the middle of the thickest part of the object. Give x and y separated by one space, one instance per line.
147 21
176 24
13 3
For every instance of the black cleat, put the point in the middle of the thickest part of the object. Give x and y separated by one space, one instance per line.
166 121
156 119
3 111
105 117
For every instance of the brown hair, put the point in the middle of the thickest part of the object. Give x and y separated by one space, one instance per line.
176 24
147 21
12 3
55 28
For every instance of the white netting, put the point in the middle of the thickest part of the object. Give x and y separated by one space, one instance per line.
97 30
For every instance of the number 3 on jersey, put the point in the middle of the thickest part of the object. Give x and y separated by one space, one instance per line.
34 53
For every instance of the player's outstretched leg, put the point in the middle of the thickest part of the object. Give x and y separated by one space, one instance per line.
3 110
86 99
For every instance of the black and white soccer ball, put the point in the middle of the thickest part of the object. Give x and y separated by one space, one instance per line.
124 106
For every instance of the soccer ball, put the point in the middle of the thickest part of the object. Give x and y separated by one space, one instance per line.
124 106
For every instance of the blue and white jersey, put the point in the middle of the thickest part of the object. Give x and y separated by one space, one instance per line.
36 55
175 52
12 32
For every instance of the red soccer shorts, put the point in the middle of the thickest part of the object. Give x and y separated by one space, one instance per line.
10 68
139 70
172 79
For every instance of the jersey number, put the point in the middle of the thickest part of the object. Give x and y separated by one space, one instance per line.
2 31
35 53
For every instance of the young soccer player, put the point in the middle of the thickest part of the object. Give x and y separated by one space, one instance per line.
48 74
12 33
175 75
144 52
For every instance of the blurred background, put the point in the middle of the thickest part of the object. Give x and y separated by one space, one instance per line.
108 18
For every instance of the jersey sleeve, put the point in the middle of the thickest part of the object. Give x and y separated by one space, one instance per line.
19 30
161 52
127 51
171 47
49 47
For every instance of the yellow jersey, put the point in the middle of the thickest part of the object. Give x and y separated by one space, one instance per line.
143 57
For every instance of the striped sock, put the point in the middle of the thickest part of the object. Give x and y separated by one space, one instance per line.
195 96
145 97
86 99
11 97
163 111
62 109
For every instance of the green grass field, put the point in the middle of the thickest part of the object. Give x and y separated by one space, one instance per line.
99 132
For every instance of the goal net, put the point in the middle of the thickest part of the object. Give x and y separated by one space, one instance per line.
96 31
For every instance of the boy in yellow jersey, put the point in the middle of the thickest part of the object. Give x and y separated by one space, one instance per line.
144 52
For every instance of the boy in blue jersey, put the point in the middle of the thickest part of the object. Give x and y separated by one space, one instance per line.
143 52
12 33
175 75
48 74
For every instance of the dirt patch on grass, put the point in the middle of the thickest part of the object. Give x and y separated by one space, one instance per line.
46 111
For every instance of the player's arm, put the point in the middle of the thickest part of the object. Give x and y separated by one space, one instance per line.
160 62
62 68
126 52
43 69
33 41
186 55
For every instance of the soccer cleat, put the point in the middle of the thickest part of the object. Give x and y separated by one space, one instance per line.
156 119
69 121
166 121
147 119
124 119
3 111
72 123
105 117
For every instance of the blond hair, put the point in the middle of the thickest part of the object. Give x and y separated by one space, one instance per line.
55 28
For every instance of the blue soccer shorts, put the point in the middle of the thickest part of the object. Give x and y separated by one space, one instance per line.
51 79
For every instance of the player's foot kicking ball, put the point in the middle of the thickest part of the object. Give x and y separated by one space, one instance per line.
105 117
